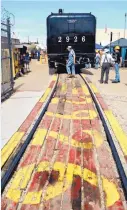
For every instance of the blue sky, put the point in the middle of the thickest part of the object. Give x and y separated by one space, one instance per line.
30 16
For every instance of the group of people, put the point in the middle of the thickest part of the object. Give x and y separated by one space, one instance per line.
108 60
105 62
24 63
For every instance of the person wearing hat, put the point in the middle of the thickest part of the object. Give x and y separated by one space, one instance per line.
106 61
118 61
71 62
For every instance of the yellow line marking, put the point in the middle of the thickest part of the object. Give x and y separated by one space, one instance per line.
48 90
84 75
119 133
56 100
39 137
74 91
64 87
54 77
10 146
45 95
14 193
20 182
89 114
85 90
64 139
94 88
13 142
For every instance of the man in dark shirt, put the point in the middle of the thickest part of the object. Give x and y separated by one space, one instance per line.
118 61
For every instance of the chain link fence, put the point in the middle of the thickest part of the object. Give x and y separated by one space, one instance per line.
6 58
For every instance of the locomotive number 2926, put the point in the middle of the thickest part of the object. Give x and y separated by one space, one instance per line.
67 39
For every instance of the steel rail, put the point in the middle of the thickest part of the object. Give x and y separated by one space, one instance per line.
12 166
119 165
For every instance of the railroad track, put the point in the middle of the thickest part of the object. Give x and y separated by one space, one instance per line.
68 159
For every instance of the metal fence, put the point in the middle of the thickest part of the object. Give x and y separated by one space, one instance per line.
6 59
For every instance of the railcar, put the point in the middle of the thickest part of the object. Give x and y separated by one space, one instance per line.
70 29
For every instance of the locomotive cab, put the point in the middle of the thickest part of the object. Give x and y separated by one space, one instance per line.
70 29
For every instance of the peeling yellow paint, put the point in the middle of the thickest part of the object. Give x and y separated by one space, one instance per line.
58 188
119 133
94 88
39 137
64 87
89 114
56 100
10 146
98 138
54 77
44 97
85 90
19 182
74 91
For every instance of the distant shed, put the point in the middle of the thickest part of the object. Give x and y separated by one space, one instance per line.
122 43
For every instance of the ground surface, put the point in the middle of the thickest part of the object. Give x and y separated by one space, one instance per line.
115 95
28 90
65 166
31 87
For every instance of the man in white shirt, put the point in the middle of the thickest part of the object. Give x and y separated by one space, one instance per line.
106 61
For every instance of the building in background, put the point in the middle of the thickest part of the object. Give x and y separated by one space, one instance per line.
103 35
122 43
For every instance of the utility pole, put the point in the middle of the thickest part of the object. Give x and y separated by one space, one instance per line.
28 39
125 25
110 40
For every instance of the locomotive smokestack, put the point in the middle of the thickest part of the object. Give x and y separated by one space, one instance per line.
60 11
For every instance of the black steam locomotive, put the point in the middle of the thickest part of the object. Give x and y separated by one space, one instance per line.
70 29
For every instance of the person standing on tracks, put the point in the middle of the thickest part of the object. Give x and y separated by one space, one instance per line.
71 62
118 61
106 61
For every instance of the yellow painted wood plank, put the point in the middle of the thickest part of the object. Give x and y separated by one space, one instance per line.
19 182
39 137
64 88
57 189
74 91
54 77
86 114
64 139
56 100
85 90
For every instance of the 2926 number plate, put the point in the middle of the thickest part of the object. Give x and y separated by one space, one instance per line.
75 39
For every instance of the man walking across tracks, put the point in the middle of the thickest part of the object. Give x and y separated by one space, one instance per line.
105 64
118 61
71 62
